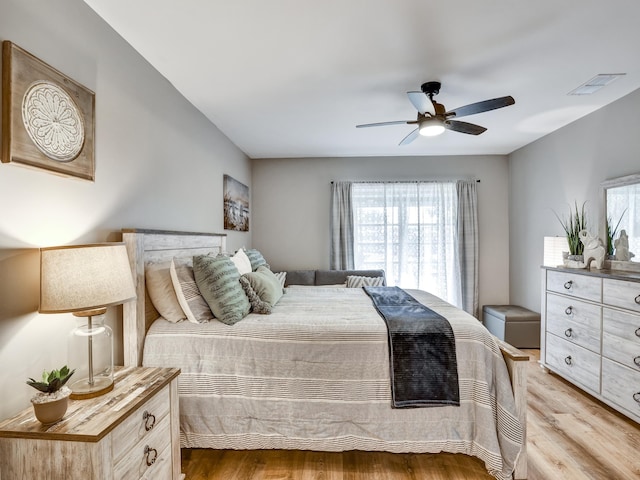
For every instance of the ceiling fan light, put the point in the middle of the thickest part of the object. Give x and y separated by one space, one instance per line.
431 127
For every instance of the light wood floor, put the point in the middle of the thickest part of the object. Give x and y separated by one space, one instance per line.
570 436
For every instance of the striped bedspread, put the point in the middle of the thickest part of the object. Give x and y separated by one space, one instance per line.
314 375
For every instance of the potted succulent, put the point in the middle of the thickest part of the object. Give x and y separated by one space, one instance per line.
50 403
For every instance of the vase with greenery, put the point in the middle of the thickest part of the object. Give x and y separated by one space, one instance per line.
572 225
51 401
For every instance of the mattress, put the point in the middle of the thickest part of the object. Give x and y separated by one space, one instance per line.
314 375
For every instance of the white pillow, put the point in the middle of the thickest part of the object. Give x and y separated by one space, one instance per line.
162 293
242 262
191 300
357 281
282 277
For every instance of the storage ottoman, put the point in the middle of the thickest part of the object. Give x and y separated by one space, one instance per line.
514 324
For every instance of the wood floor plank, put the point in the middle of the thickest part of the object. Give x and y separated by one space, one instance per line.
570 436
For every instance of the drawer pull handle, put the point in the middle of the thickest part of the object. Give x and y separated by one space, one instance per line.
567 360
569 310
638 332
637 299
568 284
149 420
568 332
151 454
637 360
636 397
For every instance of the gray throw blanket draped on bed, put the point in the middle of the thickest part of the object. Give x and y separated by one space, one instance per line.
422 351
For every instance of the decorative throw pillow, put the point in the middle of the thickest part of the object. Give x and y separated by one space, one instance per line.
193 304
357 281
282 278
262 288
242 262
161 291
256 259
219 282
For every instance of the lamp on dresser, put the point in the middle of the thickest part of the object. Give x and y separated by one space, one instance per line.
85 280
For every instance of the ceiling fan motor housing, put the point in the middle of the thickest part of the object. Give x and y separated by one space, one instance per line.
431 88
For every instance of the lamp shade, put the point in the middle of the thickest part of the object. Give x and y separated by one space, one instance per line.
84 277
553 248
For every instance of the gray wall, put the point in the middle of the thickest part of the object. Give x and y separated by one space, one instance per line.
159 164
291 200
560 169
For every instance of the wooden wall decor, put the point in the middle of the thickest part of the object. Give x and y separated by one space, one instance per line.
47 118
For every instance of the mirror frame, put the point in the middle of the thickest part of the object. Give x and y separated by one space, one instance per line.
604 186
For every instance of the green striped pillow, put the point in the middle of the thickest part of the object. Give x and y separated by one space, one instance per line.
219 282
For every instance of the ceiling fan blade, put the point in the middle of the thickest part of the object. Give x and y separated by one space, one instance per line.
421 102
464 127
410 138
480 107
380 124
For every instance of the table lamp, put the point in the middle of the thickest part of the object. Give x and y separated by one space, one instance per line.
85 280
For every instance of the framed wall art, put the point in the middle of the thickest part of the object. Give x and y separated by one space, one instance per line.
236 205
47 118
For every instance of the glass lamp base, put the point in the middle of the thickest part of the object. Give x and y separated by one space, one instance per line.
82 389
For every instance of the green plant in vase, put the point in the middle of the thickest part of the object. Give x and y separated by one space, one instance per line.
50 403
572 225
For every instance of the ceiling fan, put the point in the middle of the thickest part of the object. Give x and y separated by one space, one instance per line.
433 118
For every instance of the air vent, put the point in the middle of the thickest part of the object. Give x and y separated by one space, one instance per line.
595 84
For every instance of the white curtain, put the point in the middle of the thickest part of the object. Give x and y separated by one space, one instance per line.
410 230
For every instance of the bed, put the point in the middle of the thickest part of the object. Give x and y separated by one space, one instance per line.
314 374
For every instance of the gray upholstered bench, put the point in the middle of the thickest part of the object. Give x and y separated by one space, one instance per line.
326 277
514 324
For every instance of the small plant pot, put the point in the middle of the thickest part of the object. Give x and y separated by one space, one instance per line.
52 411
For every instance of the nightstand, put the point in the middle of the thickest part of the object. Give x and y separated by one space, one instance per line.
131 432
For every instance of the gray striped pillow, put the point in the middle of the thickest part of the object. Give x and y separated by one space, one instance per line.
357 281
219 282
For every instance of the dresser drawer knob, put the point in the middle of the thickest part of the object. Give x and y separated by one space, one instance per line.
637 299
636 397
149 420
568 284
568 332
151 454
637 360
567 360
569 310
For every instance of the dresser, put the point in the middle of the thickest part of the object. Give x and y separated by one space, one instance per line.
590 333
131 432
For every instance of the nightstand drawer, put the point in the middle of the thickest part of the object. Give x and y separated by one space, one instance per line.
141 423
572 361
149 458
574 320
581 286
619 293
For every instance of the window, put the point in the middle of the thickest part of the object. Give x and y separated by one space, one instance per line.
409 230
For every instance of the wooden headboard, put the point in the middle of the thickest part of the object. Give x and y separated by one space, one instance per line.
152 246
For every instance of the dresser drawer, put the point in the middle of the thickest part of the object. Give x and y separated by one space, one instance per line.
581 286
577 321
574 362
141 423
620 293
621 385
621 337
149 458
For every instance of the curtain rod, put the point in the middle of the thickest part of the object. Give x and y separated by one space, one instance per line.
410 181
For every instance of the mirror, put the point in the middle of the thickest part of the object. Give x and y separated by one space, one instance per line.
620 210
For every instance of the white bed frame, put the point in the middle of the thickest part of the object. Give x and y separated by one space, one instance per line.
149 246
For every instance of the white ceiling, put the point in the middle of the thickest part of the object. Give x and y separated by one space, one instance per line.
292 78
